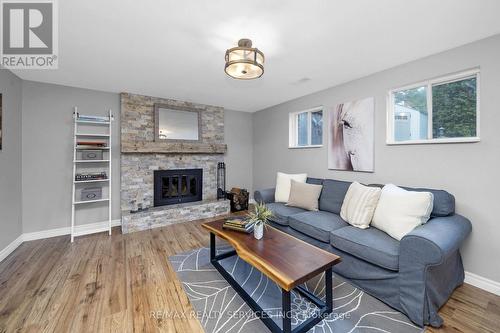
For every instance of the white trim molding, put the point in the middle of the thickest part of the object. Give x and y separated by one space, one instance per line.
87 229
4 253
29 236
80 230
482 283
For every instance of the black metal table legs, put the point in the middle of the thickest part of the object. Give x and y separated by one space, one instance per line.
324 307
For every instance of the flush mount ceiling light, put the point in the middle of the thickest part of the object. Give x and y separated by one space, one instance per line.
244 62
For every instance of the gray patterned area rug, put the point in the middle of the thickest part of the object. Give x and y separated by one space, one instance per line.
220 309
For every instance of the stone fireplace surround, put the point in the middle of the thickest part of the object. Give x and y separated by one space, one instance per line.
141 155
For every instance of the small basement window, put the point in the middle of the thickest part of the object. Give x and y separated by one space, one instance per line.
442 110
306 128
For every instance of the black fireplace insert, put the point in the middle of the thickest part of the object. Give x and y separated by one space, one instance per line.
177 186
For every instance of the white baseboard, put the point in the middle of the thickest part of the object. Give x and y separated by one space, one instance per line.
482 283
80 230
92 228
11 247
29 236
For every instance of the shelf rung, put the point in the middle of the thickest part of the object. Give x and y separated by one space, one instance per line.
90 161
92 148
94 135
90 201
93 122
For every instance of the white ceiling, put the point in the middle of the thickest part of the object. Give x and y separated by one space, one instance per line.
175 49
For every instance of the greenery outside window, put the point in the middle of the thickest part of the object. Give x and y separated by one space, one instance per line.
306 128
442 110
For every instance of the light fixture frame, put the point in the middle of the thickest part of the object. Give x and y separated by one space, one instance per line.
241 46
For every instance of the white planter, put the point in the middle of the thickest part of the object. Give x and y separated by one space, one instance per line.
258 230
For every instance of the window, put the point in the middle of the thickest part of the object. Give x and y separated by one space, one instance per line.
436 111
306 128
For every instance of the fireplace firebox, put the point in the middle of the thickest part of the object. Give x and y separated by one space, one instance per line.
177 186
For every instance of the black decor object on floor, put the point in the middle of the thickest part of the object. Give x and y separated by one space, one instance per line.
221 180
238 198
177 186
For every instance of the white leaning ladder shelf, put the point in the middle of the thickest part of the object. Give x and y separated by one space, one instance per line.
84 120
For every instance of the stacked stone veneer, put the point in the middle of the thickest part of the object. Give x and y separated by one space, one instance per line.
137 169
159 216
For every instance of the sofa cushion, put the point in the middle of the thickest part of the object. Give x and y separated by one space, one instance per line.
316 224
332 195
359 205
283 184
444 202
304 195
281 212
371 245
400 211
314 181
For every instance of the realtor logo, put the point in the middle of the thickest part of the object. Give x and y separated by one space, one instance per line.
29 39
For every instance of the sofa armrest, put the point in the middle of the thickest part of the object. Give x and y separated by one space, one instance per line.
264 196
433 242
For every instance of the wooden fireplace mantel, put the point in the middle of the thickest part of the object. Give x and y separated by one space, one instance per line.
151 147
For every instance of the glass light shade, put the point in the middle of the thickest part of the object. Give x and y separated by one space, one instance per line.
244 63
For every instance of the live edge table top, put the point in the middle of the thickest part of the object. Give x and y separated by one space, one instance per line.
286 260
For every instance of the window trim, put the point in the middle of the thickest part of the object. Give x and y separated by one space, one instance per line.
475 72
293 128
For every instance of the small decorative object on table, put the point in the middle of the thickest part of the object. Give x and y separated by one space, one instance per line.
259 217
239 199
238 224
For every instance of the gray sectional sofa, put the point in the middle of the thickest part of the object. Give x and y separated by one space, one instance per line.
415 275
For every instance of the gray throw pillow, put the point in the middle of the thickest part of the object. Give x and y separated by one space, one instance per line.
304 195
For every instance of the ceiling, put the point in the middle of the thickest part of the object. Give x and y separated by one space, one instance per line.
175 49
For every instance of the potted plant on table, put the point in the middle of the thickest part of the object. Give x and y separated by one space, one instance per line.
260 217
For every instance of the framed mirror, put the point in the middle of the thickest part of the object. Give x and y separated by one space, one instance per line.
0 121
177 124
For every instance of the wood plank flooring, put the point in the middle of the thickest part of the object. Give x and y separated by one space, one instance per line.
124 283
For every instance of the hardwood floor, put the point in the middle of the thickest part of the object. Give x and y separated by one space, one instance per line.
124 283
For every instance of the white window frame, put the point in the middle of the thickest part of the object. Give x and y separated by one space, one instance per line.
429 84
293 137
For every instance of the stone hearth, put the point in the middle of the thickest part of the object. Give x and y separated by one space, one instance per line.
138 164
172 214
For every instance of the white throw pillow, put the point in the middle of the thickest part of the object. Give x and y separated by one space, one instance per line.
399 211
304 195
359 205
283 184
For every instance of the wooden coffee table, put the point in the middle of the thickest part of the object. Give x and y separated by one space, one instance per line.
286 260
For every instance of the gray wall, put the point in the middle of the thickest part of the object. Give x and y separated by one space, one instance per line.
238 135
10 159
48 154
469 171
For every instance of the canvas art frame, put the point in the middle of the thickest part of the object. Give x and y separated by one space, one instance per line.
351 136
